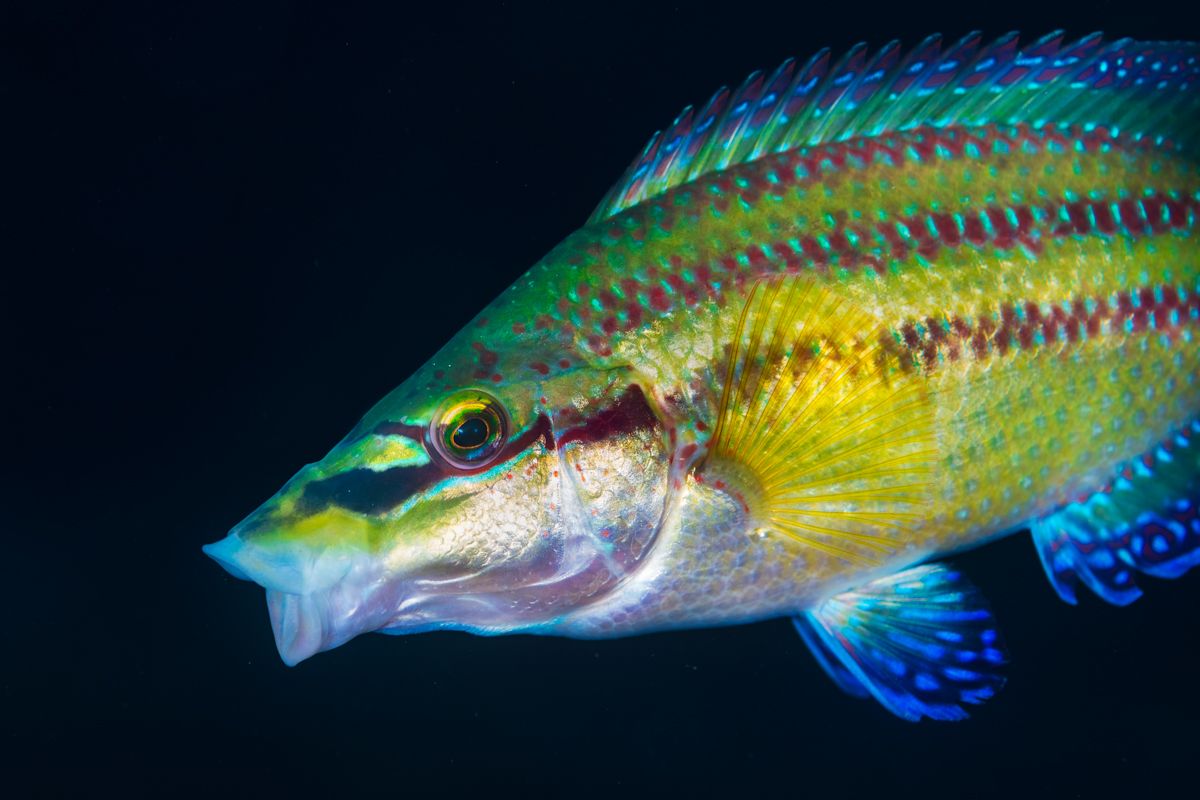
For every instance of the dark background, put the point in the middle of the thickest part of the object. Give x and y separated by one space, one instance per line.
228 232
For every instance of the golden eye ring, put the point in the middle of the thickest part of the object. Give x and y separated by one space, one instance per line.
469 430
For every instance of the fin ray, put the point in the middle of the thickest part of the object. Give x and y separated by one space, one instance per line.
921 641
1147 519
830 440
1147 88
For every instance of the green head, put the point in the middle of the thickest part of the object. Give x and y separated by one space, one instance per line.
487 493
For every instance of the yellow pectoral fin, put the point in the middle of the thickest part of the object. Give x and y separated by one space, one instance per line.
826 435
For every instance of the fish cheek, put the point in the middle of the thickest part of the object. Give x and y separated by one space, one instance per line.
502 521
619 484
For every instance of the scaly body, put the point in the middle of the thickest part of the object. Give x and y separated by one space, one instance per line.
816 337
1045 284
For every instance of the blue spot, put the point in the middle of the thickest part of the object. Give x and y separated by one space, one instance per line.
956 674
926 682
978 695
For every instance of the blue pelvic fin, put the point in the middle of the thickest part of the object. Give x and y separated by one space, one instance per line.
922 642
1144 520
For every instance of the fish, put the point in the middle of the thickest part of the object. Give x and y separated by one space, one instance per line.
851 318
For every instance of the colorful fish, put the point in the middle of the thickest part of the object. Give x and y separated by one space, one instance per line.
851 317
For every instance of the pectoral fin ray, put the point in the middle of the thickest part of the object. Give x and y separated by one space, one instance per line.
829 438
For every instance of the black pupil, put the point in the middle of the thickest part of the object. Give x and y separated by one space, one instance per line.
470 434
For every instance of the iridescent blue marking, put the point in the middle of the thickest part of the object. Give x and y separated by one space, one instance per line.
1102 540
893 637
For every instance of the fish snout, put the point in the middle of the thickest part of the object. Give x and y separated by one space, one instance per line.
274 567
276 556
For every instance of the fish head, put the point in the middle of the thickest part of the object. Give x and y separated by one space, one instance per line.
453 504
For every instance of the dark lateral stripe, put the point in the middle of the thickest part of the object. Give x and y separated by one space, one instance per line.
932 341
368 491
405 429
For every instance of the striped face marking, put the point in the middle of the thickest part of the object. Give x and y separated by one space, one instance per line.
376 492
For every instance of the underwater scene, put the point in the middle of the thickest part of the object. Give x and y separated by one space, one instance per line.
700 400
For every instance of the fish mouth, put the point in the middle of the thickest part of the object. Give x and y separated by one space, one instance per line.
304 591
299 623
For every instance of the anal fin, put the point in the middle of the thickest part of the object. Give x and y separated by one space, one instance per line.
922 642
1145 520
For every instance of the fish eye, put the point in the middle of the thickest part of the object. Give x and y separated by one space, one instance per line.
469 430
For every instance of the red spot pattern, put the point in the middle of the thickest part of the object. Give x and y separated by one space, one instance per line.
676 281
487 360
932 341
999 227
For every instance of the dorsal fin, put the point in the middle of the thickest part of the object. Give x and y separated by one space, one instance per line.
1143 88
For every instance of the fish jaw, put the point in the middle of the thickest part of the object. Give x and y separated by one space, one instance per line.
299 623
316 601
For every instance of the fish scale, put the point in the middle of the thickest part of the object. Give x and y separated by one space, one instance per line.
850 317
867 218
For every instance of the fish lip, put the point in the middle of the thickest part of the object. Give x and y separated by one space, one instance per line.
296 620
299 624
225 552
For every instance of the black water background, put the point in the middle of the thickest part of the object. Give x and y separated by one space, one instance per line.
228 232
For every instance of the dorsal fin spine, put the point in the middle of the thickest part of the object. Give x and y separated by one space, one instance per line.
1140 88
